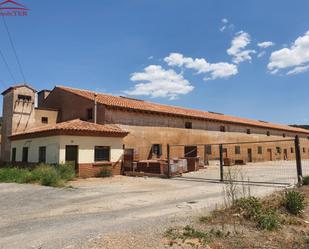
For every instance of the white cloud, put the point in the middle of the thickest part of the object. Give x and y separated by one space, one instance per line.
215 70
265 44
298 70
261 54
150 57
238 45
158 82
296 57
226 25
222 28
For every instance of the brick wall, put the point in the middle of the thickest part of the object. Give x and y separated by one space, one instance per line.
86 170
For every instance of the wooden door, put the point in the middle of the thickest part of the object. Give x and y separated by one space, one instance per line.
270 155
249 155
128 158
71 155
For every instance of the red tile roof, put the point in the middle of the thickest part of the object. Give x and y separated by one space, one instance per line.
74 127
145 106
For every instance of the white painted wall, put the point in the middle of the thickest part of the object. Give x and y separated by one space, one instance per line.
52 148
55 148
86 147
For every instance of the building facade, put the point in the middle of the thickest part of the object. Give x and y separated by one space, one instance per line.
147 128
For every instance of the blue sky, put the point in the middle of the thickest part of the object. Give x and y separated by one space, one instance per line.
196 54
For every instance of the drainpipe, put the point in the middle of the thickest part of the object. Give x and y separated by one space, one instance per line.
95 108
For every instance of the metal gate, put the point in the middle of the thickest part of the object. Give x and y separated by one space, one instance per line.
281 162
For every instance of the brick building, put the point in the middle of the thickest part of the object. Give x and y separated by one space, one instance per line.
91 129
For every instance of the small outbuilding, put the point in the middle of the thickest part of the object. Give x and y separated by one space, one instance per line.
89 146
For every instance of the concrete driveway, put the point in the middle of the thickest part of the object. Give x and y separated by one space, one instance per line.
34 216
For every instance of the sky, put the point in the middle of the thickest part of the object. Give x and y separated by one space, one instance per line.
243 58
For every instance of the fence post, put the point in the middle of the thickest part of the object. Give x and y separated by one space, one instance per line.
298 160
221 162
168 162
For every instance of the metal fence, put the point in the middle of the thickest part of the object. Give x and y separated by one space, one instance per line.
271 162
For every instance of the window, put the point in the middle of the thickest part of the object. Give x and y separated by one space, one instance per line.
157 149
25 155
260 150
13 154
268 133
248 131
292 150
237 150
24 97
188 125
208 149
222 128
278 150
101 153
44 120
190 151
283 135
89 114
304 150
42 154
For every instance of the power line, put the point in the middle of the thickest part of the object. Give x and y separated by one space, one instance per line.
15 52
7 67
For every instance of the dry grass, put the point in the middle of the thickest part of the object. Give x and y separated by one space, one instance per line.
229 228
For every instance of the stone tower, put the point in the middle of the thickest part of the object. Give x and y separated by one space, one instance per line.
18 115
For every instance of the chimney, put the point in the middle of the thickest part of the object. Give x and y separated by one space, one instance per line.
95 108
42 95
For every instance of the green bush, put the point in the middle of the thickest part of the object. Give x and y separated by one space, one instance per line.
251 207
106 171
46 175
66 171
294 202
306 180
15 175
268 220
43 174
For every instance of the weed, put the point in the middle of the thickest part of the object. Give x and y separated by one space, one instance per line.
294 202
66 171
106 171
43 174
306 180
268 220
47 176
251 206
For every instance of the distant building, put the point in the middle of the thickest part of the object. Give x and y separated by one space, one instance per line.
93 129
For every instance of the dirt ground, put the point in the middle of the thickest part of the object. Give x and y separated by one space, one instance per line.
118 212
228 229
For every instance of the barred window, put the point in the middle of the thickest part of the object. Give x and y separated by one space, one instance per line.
101 153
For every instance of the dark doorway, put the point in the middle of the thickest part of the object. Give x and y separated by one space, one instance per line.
25 155
71 155
285 154
249 155
270 154
224 153
128 158
190 151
